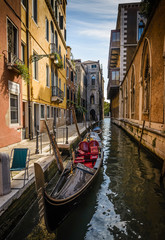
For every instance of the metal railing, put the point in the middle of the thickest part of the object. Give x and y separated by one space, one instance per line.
53 48
57 92
13 59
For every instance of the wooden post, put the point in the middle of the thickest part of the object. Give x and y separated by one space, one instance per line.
141 136
75 122
55 149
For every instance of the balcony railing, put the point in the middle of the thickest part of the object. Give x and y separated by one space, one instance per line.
13 60
53 48
57 94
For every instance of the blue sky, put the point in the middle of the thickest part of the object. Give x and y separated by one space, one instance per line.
89 23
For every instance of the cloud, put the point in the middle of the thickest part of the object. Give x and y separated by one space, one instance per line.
89 23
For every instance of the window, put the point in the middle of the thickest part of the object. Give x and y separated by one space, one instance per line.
48 112
60 83
34 9
24 3
146 78
61 21
47 29
52 4
115 75
92 99
47 76
140 29
42 111
12 33
133 91
13 108
93 80
93 66
23 52
72 76
35 68
67 72
65 34
52 112
115 36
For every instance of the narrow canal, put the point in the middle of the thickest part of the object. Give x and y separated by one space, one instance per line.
127 201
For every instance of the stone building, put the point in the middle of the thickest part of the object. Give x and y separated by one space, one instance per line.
71 85
81 92
95 92
10 80
143 87
45 43
123 42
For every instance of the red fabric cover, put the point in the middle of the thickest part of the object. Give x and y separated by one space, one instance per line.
94 150
81 152
93 143
84 146
79 159
93 157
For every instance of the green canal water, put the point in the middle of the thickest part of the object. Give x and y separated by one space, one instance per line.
127 201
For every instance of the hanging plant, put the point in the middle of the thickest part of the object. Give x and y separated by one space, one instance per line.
59 63
24 71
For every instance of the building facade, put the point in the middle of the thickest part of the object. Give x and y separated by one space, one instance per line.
44 45
143 87
71 85
95 92
81 91
123 42
32 67
10 80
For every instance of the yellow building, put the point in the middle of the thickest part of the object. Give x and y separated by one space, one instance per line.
43 46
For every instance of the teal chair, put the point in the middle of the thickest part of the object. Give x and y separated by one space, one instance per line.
20 158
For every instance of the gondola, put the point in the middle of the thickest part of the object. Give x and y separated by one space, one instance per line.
74 182
97 130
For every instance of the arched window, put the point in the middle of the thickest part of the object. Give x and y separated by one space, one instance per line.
133 91
92 99
140 28
146 78
93 80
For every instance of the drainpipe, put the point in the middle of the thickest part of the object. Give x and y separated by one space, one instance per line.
28 84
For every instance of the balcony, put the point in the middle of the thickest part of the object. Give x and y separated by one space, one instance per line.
13 61
53 49
114 83
57 95
114 48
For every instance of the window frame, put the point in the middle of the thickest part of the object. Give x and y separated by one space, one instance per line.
47 29
16 45
47 76
35 14
42 116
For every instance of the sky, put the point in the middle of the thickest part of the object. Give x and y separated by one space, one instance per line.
89 23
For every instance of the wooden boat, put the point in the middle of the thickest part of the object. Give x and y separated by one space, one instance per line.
73 183
97 130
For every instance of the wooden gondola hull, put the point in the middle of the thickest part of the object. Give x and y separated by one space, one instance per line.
72 186
56 212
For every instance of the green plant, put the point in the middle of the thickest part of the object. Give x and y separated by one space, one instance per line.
24 71
59 64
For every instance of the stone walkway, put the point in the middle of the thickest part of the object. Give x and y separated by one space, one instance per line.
45 158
